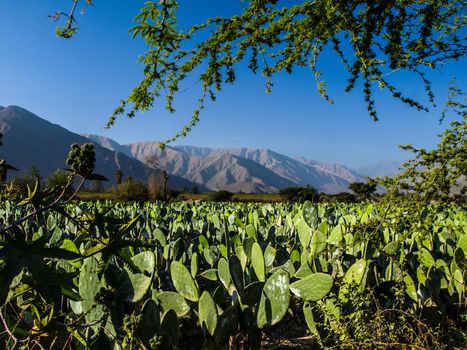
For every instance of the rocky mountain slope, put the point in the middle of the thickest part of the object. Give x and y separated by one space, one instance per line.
239 169
30 140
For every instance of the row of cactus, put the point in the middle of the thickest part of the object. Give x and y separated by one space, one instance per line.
127 276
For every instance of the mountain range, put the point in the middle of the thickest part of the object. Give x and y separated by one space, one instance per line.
30 140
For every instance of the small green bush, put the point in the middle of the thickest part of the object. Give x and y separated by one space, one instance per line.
299 194
220 196
132 190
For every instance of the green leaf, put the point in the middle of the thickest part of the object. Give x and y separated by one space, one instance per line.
236 273
310 214
227 326
173 301
313 287
318 243
253 293
183 281
425 258
462 244
304 233
134 286
223 272
269 256
257 260
275 299
160 237
336 235
251 231
7 274
194 264
356 272
410 288
210 274
207 312
309 318
151 322
89 285
391 248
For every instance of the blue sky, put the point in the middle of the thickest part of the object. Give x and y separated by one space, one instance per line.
78 82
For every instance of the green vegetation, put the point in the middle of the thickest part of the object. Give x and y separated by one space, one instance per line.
372 40
299 194
236 270
386 275
110 275
220 196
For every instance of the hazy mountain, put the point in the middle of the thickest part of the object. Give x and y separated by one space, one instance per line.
29 140
381 169
240 169
329 178
216 171
109 144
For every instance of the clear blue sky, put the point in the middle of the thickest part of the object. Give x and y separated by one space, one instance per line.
78 82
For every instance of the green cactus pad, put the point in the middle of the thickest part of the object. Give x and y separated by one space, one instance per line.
183 281
173 301
257 260
274 299
207 312
313 287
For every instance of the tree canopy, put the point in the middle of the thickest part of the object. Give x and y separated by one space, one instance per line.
372 39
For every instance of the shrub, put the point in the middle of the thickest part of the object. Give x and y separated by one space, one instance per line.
299 194
132 190
220 196
59 179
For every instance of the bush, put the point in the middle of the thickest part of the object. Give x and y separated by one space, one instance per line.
132 190
299 194
342 197
220 196
59 179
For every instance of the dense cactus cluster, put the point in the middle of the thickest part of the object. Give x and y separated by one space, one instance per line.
82 159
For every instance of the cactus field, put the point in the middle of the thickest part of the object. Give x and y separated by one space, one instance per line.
109 275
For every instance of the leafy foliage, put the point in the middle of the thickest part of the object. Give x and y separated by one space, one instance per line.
220 196
132 274
372 39
363 190
299 194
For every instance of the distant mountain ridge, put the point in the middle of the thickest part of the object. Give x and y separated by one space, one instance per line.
380 169
30 140
240 169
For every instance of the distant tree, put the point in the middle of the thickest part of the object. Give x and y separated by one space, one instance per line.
342 197
299 194
59 179
118 176
220 196
363 190
156 186
35 173
96 186
195 189
132 190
